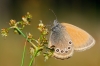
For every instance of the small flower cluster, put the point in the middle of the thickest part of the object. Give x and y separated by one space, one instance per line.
42 41
42 28
26 19
13 24
4 32
44 31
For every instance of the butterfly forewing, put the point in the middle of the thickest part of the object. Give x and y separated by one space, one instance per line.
80 38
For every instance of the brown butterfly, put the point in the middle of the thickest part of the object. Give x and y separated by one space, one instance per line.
65 38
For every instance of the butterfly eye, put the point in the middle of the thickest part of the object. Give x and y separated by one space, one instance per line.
70 42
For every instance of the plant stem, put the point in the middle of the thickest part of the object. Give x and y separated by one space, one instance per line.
35 53
26 37
35 47
23 54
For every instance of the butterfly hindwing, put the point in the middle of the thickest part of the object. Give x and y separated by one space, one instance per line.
60 40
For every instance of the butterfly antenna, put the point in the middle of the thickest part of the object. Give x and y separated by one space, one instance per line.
53 13
55 21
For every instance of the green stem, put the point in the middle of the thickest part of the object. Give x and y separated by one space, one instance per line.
26 37
31 62
23 55
25 47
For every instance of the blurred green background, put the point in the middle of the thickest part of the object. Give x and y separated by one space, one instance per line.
82 13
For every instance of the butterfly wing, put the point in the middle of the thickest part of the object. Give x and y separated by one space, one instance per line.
60 41
80 38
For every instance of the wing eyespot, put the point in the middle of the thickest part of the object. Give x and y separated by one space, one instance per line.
69 48
66 51
57 50
62 51
70 42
